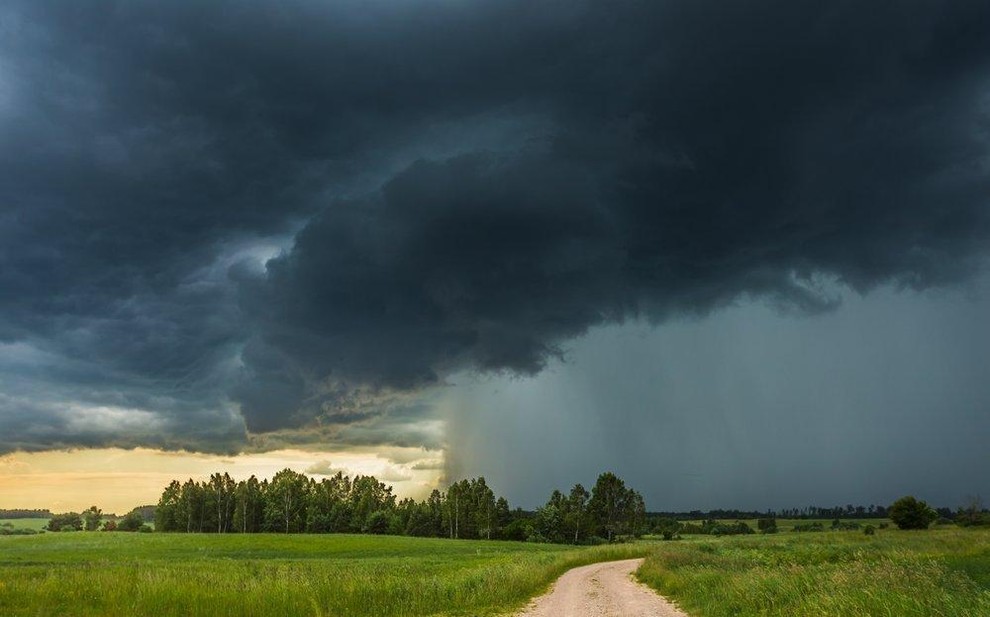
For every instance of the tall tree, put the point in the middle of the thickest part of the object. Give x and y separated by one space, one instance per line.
577 512
92 517
221 488
167 513
285 501
483 500
608 503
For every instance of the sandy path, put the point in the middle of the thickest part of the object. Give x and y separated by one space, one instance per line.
605 589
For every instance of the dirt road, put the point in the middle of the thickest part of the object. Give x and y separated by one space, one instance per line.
601 590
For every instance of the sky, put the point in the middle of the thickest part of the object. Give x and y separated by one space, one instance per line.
735 253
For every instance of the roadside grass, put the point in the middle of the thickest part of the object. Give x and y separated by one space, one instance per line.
93 573
936 573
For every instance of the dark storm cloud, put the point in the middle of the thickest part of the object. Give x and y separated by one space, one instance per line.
468 186
692 154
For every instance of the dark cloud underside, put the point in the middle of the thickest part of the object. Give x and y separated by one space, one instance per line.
452 186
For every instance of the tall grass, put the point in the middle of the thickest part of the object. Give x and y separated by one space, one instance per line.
166 574
938 573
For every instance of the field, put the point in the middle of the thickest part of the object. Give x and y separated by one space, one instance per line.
26 523
941 572
787 524
175 574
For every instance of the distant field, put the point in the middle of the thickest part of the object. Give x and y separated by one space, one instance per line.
940 572
26 523
266 574
787 524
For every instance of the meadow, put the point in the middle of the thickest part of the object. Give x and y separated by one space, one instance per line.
36 524
943 572
940 572
94 573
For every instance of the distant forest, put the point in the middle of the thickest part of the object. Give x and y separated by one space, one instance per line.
294 503
291 502
23 513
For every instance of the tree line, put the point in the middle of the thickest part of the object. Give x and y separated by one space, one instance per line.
9 513
291 502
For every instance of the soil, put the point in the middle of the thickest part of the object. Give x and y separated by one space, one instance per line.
605 589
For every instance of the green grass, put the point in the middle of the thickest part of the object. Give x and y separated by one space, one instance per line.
175 574
26 523
941 572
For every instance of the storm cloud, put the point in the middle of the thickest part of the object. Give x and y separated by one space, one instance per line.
244 218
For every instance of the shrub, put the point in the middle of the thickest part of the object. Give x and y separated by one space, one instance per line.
132 521
869 530
910 513
668 528
726 529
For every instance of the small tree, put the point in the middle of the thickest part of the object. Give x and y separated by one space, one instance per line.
132 521
910 513
92 516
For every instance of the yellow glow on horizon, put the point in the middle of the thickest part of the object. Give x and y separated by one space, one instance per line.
118 480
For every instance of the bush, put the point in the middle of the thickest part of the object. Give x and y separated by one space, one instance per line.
70 521
767 525
668 528
869 530
726 529
910 513
132 521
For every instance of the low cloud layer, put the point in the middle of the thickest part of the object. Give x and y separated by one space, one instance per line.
290 220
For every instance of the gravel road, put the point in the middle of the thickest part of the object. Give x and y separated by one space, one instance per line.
605 589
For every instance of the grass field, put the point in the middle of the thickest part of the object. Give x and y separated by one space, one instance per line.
175 574
26 523
941 572
935 573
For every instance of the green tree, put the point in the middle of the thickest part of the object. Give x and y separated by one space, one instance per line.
191 506
577 513
92 516
910 513
608 504
285 501
132 521
249 506
548 525
70 521
483 500
167 514
221 490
